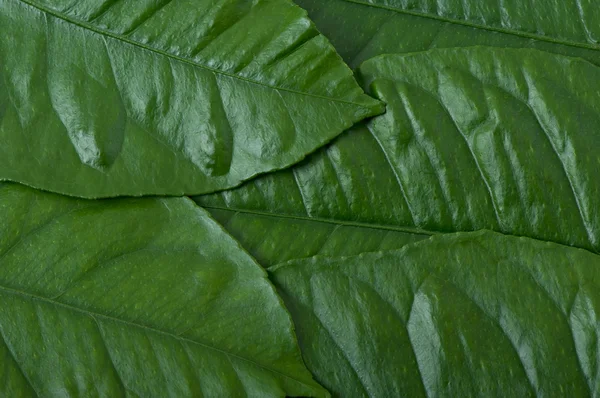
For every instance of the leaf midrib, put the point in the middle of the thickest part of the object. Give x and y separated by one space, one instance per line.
479 26
95 316
106 33
410 230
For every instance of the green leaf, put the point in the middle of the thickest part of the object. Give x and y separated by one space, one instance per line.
107 98
360 30
341 194
457 315
275 238
474 138
135 297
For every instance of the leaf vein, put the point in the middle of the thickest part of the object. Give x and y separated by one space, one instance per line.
29 296
14 358
398 180
87 26
112 362
326 221
478 26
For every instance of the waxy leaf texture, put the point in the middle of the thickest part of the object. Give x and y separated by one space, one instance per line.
135 297
102 99
362 29
473 138
457 315
435 230
275 238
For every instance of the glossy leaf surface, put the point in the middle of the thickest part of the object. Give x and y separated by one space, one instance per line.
274 238
457 315
135 297
107 98
361 29
476 138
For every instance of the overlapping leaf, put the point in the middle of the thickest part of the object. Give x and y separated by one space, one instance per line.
135 297
467 314
276 238
361 29
107 98
151 297
475 138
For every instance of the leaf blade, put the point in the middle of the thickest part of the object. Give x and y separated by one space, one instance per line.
214 117
363 29
434 300
473 138
140 296
264 234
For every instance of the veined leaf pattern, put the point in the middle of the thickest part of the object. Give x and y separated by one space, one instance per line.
136 297
113 98
264 235
464 314
362 29
474 138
